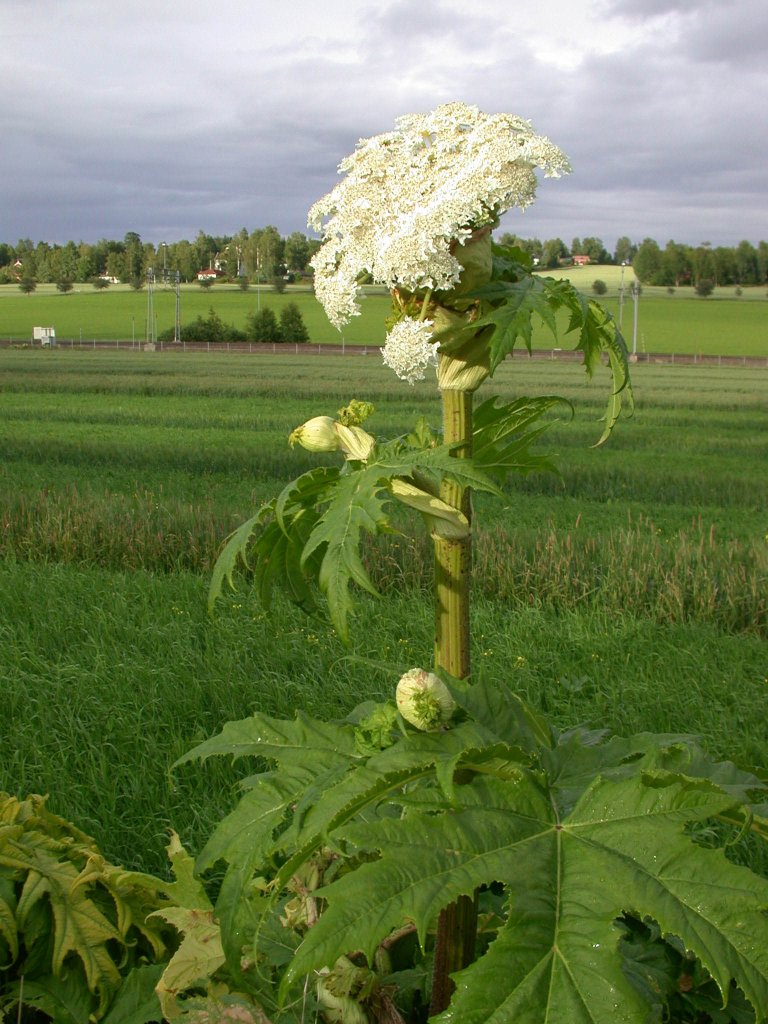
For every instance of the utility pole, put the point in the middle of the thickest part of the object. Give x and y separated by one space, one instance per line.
636 300
621 292
151 333
177 323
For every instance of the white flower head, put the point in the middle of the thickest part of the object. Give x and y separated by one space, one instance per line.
410 194
409 349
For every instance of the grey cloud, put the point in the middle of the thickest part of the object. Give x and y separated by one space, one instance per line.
124 122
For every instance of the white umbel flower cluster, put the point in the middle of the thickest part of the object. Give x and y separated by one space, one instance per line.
411 193
409 350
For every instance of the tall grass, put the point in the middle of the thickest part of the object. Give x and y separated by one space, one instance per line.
629 592
109 676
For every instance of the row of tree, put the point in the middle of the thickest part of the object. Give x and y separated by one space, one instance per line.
264 254
674 265
259 255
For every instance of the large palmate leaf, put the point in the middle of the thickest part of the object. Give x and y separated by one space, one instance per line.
575 834
621 849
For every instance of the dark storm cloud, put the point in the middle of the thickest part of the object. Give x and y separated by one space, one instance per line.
165 120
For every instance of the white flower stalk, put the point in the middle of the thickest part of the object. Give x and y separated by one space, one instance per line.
409 195
423 699
316 435
409 349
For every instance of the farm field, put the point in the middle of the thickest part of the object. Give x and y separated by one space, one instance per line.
678 323
631 592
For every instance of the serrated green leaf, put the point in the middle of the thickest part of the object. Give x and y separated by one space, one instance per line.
598 335
246 834
622 848
503 433
514 304
303 740
233 553
426 863
8 919
514 296
137 1002
356 505
504 714
64 1000
355 508
195 961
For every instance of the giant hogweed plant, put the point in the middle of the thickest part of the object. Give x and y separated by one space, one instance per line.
449 854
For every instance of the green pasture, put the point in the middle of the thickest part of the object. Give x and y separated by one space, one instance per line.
629 592
121 313
673 324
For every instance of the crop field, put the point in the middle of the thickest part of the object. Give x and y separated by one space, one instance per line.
680 323
629 592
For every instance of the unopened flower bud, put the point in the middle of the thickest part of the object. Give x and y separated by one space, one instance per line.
355 442
423 700
316 435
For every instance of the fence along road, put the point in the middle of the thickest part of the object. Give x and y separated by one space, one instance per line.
310 349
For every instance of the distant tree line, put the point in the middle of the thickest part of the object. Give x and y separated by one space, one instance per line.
675 265
259 256
265 256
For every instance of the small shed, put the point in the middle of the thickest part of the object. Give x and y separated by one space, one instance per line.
45 335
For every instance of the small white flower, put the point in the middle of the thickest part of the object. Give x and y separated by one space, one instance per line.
409 349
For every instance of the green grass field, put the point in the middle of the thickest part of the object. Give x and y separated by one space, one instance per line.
631 592
681 323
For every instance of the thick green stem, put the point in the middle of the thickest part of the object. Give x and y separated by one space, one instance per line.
453 558
457 926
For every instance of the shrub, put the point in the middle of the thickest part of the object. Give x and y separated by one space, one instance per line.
27 285
705 287
599 287
279 283
262 326
64 286
100 283
292 326
205 329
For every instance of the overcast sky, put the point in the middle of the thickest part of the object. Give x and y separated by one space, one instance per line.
169 117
